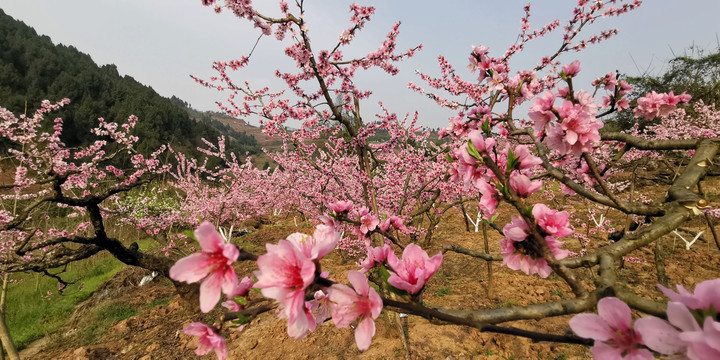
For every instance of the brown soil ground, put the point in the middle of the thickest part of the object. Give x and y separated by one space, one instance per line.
461 283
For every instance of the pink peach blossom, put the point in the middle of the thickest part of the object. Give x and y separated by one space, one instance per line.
315 247
341 206
691 328
517 230
489 198
359 302
526 158
555 223
704 343
415 268
242 288
541 112
653 104
523 186
319 306
231 305
212 267
368 221
482 144
384 225
611 330
572 69
664 336
394 221
208 340
707 294
375 256
516 254
578 128
284 274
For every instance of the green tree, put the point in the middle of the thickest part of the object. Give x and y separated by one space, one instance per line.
696 73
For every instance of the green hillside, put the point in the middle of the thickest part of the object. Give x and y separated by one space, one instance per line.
32 69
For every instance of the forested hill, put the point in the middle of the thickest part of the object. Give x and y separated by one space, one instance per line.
32 69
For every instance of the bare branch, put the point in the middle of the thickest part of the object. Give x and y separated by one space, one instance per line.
461 250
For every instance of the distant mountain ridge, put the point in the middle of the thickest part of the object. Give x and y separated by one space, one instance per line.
32 69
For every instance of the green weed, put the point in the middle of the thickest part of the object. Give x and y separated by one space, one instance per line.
34 306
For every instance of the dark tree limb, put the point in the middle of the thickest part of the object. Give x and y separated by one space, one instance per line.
59 256
432 314
465 251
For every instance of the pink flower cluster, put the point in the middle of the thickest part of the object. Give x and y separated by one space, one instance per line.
519 250
468 167
409 273
618 91
375 256
368 221
341 206
395 222
471 170
290 267
286 271
569 128
241 290
692 330
653 104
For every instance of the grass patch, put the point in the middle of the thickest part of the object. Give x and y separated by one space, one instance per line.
32 313
36 309
158 302
101 319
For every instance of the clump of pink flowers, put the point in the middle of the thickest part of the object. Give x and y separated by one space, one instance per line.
284 274
653 104
692 328
691 331
519 250
368 220
375 256
241 290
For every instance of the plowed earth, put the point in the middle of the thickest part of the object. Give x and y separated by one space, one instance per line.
461 283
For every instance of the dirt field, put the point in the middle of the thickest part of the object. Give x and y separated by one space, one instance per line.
461 283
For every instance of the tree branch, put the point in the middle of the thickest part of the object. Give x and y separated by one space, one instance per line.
461 250
428 313
644 144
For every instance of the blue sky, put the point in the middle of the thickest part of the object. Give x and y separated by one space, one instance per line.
161 42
